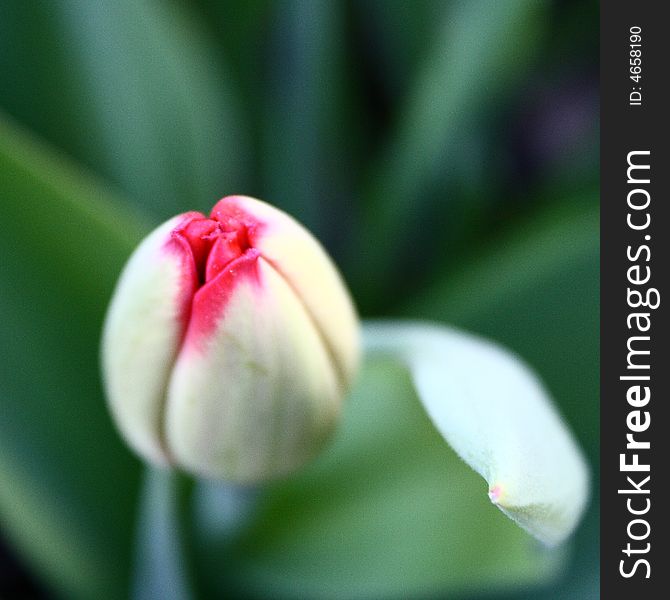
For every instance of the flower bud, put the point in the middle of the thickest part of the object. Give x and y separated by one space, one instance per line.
229 344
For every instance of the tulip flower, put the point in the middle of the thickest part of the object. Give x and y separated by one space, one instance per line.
229 344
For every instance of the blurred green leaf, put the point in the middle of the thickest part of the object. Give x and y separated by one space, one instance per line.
311 147
131 88
239 31
479 54
388 511
68 486
399 34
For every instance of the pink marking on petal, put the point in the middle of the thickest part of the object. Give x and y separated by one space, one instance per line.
495 493
210 301
232 216
178 245
199 234
216 254
229 246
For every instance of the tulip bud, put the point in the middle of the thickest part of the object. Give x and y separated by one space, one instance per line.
229 344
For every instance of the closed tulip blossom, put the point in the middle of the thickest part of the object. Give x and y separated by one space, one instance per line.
231 342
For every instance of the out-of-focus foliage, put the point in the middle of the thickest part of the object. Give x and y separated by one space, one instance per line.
446 154
68 487
388 511
132 89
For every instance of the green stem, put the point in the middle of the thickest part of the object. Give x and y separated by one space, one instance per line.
161 565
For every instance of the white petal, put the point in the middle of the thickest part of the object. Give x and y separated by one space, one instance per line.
140 341
308 269
261 397
497 416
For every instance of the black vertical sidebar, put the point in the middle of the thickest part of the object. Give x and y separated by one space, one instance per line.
635 267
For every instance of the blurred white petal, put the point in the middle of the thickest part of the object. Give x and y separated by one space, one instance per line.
141 339
497 416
